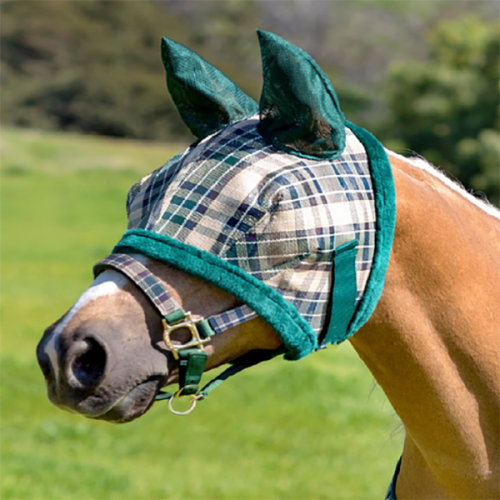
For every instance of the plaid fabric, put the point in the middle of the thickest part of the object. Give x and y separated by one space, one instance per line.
229 319
276 216
161 297
143 278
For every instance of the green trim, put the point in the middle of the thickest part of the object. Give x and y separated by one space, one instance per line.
296 334
385 205
204 329
175 317
342 303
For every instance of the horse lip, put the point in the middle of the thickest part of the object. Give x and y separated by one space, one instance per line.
132 404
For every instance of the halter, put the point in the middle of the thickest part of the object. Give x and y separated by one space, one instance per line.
191 355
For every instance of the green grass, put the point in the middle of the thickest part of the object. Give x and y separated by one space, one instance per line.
313 429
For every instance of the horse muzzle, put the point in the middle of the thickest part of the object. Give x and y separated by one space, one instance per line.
85 376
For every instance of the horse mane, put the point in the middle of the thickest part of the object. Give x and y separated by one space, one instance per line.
453 184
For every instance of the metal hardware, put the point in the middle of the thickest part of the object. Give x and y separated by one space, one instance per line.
189 323
192 402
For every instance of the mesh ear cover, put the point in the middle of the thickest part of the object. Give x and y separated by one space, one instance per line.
206 99
299 109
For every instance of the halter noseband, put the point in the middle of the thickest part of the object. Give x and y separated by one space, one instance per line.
191 355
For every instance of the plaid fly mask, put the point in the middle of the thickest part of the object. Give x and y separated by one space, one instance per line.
284 204
276 216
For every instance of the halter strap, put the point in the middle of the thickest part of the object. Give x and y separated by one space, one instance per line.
161 298
191 355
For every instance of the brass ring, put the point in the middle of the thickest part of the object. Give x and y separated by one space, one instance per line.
193 400
176 412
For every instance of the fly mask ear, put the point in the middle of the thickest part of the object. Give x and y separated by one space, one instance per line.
299 109
207 100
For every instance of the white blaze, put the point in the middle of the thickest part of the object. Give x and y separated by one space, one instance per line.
109 282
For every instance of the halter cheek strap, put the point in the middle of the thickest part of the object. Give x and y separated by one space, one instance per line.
191 355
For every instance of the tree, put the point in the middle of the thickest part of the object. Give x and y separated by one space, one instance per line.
447 109
88 67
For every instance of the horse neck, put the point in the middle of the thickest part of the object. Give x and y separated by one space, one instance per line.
432 343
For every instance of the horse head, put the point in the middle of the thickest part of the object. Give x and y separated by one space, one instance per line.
231 245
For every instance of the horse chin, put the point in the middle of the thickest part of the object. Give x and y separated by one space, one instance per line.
133 404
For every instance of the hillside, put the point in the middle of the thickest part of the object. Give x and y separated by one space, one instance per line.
95 67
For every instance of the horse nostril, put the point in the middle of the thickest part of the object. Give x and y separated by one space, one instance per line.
89 365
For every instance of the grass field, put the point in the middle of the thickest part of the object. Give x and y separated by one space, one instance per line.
313 429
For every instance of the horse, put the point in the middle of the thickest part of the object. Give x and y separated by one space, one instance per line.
423 316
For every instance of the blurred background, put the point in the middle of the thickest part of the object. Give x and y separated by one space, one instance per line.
85 113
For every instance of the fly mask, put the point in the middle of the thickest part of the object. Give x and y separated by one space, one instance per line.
284 205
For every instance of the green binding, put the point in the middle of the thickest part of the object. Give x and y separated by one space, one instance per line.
204 329
343 296
175 317
385 206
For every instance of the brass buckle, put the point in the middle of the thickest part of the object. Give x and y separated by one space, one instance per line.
189 323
